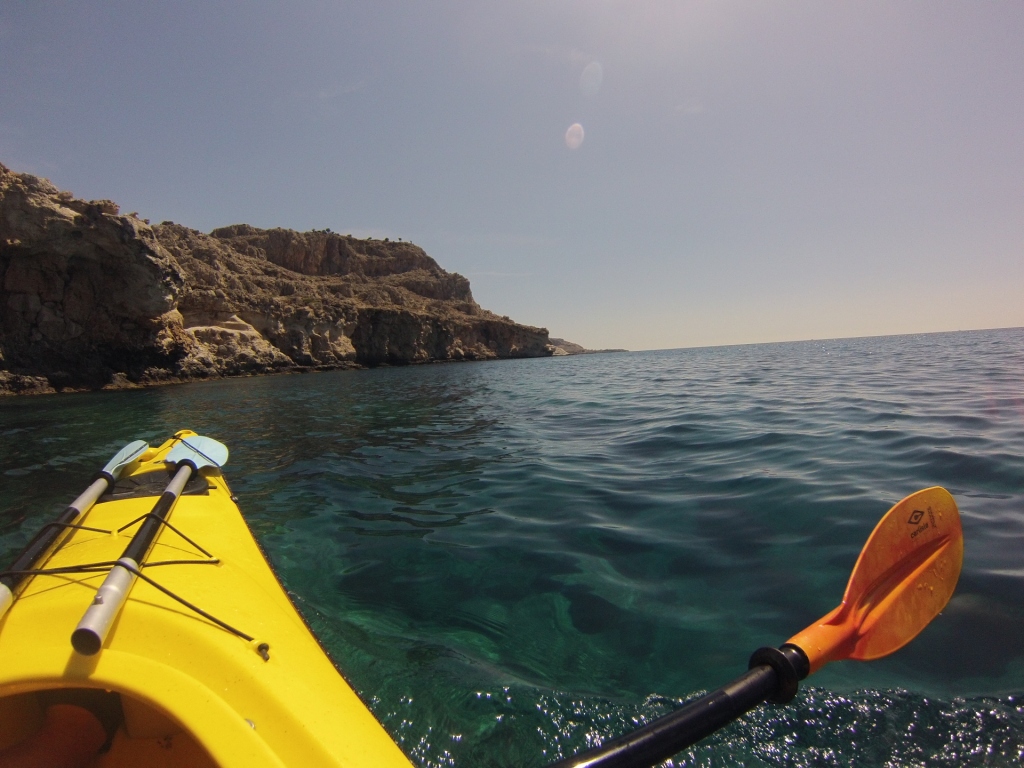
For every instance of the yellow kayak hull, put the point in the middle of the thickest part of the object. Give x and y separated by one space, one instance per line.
191 692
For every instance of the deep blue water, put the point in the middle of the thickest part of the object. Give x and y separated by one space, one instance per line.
511 559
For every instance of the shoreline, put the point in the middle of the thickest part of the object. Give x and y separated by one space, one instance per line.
123 384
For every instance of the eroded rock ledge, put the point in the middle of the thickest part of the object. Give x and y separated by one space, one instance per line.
92 299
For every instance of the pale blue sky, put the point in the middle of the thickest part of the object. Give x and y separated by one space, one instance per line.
749 171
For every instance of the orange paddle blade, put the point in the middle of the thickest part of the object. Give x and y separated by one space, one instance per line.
904 577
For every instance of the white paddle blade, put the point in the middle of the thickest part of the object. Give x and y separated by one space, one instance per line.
200 451
124 457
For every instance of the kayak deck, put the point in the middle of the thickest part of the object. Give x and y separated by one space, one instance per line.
191 692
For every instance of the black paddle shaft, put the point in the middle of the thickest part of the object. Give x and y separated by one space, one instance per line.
36 548
774 676
147 533
46 538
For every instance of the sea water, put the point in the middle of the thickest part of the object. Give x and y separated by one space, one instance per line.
512 560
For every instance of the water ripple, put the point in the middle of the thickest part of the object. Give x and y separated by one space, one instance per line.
516 559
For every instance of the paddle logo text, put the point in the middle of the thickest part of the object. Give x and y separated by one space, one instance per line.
916 516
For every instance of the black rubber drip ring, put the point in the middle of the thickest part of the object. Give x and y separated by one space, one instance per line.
790 665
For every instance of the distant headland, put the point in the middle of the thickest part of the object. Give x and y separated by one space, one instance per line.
93 299
563 347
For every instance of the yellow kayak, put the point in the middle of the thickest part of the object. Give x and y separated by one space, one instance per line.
207 663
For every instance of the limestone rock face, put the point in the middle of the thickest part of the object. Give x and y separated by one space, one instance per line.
93 299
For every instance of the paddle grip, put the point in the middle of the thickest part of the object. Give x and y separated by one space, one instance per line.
92 630
775 674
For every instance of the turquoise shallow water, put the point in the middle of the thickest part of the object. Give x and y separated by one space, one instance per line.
510 560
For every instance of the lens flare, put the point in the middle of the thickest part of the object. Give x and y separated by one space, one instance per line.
574 136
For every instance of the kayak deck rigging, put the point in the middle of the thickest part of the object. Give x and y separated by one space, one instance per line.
192 688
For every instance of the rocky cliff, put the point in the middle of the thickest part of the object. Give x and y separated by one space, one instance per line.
90 298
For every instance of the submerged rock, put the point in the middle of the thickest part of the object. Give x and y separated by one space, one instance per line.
92 299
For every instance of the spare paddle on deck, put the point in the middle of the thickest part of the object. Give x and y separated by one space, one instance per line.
904 577
190 455
49 534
